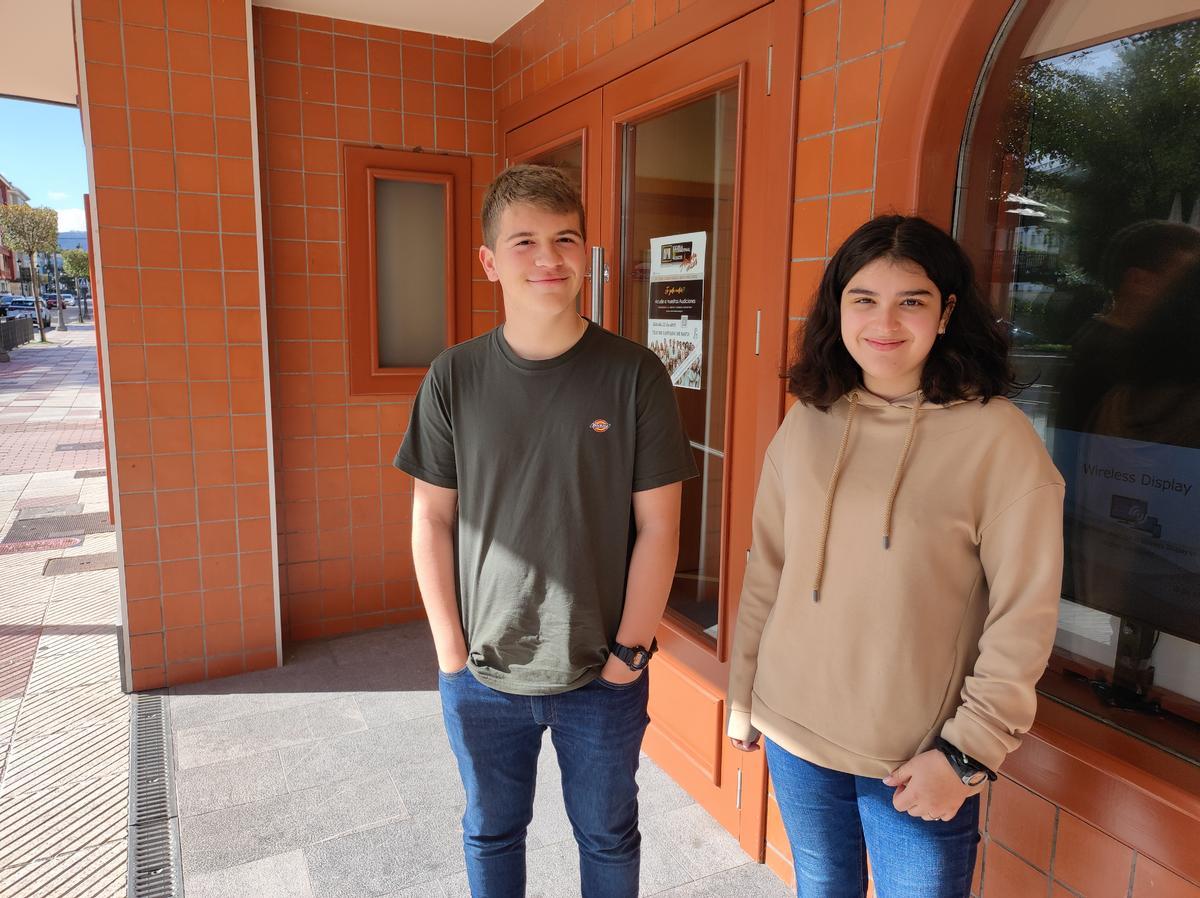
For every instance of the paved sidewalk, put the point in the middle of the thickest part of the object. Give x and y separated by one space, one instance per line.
50 405
331 777
64 722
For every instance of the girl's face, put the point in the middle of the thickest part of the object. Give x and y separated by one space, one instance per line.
891 313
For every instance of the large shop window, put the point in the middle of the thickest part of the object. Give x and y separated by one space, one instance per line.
1080 203
408 278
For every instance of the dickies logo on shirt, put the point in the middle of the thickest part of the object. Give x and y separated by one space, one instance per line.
600 425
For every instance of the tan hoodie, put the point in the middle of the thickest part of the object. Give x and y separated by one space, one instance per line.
903 583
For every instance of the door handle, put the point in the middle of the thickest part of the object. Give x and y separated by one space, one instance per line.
598 277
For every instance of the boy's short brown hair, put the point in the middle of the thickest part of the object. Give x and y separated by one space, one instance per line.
543 186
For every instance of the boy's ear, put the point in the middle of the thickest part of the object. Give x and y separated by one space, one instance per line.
487 259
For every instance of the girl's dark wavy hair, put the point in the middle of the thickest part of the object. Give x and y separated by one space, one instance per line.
969 361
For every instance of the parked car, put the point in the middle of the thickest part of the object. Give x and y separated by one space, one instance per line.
23 307
51 300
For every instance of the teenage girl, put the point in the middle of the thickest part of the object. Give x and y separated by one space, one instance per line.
902 592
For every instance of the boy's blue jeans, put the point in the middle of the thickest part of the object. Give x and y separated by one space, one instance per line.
833 820
597 733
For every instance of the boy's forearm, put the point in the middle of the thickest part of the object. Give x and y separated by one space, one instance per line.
651 570
433 560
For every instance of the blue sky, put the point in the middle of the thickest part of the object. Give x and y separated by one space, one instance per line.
41 152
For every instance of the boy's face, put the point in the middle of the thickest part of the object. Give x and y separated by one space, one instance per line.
539 260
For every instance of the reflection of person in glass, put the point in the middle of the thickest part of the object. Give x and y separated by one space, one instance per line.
1133 501
1158 396
1140 262
891 677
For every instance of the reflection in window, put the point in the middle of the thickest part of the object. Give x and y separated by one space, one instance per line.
1088 236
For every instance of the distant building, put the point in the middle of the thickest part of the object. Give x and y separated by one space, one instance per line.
10 276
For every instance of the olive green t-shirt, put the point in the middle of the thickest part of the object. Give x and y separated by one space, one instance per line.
545 456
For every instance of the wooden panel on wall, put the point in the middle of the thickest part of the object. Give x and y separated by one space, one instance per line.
673 688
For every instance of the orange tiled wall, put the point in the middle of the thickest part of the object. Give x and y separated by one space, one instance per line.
167 104
343 511
556 38
849 53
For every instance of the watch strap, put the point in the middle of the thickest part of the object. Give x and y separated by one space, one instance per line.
635 657
964 765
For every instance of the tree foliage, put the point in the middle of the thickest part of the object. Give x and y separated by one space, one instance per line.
1114 143
25 229
75 263
29 230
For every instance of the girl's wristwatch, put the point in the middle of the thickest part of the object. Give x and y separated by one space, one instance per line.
966 768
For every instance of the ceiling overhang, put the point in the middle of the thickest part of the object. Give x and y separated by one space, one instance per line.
39 60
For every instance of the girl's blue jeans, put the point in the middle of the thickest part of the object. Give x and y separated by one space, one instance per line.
835 820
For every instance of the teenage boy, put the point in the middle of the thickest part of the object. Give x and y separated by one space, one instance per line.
548 456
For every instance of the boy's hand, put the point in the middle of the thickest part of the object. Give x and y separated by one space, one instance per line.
927 787
617 671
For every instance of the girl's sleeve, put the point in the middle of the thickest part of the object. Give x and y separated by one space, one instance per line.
1022 554
759 590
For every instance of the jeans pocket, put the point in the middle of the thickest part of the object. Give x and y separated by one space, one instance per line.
619 687
454 675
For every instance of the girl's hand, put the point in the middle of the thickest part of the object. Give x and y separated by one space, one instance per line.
927 787
746 744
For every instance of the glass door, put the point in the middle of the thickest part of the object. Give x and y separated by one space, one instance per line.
679 169
695 267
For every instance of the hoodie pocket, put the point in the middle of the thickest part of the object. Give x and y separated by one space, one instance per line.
870 686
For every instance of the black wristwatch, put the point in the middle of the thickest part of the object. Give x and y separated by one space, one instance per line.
966 768
636 657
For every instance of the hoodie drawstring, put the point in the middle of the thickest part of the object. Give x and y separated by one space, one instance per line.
891 499
837 473
833 479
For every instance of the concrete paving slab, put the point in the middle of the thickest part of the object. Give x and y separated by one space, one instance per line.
239 737
402 741
384 859
278 876
214 787
755 880
285 822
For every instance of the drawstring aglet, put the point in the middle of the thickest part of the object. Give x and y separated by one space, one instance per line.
887 541
816 595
